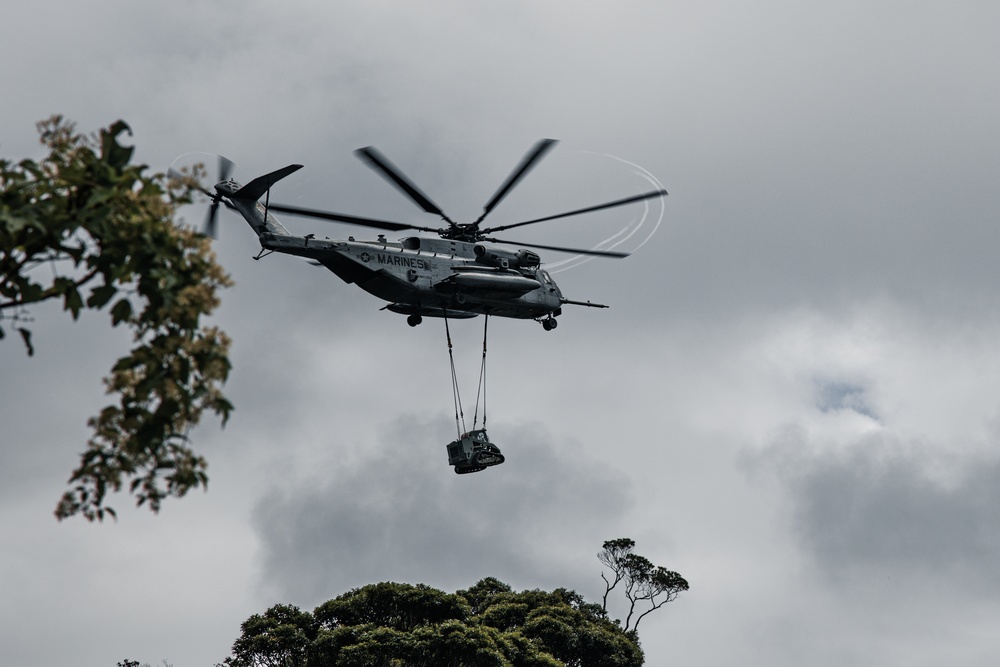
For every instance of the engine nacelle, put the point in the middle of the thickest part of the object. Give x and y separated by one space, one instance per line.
506 259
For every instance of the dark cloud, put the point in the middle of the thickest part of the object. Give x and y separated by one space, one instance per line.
400 513
884 508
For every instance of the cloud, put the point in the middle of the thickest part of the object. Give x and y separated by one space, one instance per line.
883 507
400 513
827 259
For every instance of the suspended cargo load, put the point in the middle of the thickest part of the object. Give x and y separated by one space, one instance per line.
473 452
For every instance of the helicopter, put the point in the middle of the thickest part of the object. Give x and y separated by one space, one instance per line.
459 275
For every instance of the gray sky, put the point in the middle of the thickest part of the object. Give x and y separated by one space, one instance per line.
791 401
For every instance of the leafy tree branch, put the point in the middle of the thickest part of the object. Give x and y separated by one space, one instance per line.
105 231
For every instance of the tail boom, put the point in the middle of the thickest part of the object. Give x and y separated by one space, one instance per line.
245 200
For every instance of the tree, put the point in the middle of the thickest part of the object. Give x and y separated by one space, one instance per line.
642 582
85 227
277 638
390 624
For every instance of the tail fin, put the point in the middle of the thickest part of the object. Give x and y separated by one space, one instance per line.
258 186
245 201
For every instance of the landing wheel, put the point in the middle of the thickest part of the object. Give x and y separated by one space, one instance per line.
414 320
549 324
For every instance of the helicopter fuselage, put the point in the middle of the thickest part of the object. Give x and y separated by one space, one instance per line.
432 277
420 276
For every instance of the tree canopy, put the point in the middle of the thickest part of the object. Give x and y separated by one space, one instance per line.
85 227
393 624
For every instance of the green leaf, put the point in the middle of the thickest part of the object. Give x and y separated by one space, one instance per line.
121 312
72 301
114 153
101 295
31 292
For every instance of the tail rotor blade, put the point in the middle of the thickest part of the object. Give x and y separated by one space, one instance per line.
211 222
211 229
194 166
225 168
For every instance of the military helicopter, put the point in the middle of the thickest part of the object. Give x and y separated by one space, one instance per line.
460 275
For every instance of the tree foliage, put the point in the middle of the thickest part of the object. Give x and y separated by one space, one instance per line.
391 624
646 587
86 228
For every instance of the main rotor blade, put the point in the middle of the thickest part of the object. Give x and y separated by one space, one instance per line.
574 251
349 219
589 209
527 162
379 162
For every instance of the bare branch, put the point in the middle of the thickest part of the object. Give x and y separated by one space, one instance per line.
643 582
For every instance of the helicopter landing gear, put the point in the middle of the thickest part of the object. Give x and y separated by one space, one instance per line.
414 320
549 323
